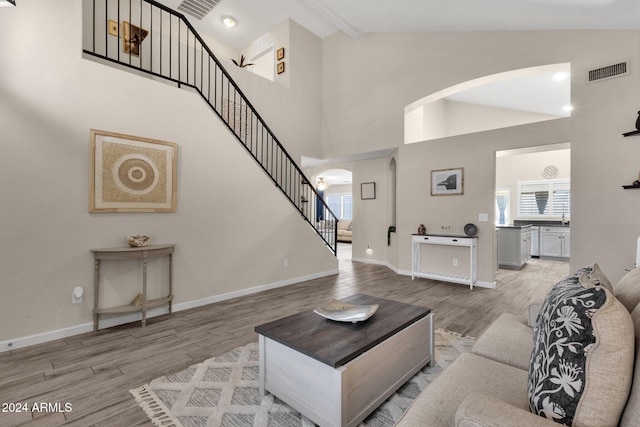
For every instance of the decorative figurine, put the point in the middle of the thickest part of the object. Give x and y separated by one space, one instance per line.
422 229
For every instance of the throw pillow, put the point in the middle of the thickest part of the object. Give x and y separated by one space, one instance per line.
627 290
599 277
581 365
349 227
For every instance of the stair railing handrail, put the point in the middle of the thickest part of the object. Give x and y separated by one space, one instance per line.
297 198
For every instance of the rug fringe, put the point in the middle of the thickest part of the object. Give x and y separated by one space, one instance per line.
155 410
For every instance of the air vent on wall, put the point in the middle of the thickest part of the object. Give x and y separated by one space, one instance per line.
609 72
198 8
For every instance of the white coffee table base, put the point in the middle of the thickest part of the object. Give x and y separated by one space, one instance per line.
346 395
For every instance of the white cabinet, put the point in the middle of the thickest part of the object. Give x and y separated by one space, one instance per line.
514 246
555 242
535 241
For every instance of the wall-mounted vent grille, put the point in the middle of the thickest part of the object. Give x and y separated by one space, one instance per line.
198 8
609 72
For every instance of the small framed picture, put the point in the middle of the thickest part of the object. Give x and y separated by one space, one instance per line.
280 67
280 54
447 182
368 190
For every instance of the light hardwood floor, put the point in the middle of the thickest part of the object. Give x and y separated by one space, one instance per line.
95 371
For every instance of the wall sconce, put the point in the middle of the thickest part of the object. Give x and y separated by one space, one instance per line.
7 3
369 250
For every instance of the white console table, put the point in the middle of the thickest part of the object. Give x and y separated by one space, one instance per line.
445 240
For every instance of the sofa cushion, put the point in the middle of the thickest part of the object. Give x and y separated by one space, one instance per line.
631 414
508 340
581 365
436 406
627 290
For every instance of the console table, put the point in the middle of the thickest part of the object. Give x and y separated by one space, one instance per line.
143 253
445 240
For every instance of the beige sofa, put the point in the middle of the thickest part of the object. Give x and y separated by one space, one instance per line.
344 230
489 386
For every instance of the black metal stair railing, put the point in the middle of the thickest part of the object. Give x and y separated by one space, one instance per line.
149 37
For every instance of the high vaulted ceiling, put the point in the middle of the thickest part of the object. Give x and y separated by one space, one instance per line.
355 17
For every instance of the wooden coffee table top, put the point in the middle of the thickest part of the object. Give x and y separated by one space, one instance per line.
336 343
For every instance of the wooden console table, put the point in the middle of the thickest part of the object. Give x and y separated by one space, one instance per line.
447 240
142 253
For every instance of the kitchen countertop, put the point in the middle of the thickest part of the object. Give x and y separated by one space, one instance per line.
541 223
514 226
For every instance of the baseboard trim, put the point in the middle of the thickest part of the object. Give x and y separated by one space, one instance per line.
377 262
109 322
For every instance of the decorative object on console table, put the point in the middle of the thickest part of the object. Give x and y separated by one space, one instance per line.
470 230
138 240
446 182
422 229
131 174
368 190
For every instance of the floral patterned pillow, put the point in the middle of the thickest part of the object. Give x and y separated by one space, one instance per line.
576 333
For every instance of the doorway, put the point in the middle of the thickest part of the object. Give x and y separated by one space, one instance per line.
532 205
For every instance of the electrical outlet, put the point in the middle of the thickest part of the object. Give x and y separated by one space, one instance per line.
286 262
455 262
483 217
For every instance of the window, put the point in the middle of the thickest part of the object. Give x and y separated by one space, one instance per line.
544 199
340 204
502 206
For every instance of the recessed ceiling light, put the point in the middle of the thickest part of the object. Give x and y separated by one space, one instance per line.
228 21
560 76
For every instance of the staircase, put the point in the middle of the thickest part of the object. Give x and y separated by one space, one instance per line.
149 37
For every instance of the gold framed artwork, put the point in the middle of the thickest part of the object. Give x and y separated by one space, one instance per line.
280 54
133 38
131 174
447 182
280 67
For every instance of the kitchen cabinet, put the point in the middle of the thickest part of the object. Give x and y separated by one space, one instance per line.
514 246
535 241
555 242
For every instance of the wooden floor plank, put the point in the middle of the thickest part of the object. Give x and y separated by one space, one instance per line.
95 371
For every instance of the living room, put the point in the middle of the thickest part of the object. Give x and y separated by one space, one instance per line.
345 97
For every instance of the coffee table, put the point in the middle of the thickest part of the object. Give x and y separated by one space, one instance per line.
337 373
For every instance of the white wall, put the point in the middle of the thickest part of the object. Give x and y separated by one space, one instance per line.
232 229
368 82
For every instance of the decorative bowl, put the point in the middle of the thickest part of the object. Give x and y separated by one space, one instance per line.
470 230
138 240
343 312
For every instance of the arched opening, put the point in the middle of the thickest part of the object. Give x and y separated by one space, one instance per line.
335 186
500 100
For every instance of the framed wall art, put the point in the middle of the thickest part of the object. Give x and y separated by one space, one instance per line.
280 67
133 38
368 190
280 54
447 182
131 174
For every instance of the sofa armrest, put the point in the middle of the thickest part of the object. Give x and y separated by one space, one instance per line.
481 410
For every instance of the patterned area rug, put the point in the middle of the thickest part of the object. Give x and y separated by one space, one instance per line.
223 391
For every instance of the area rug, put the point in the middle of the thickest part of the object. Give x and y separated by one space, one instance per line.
223 391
